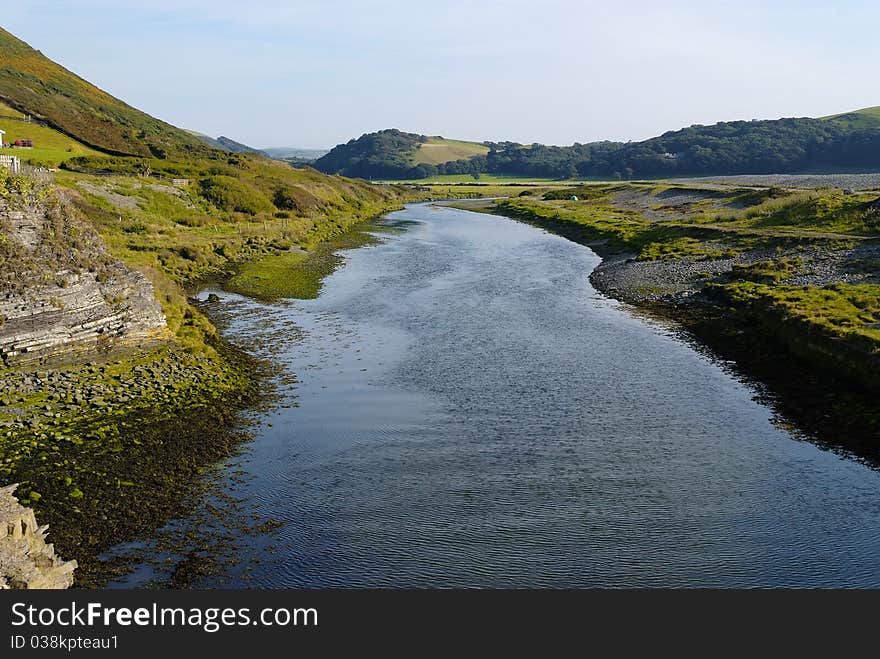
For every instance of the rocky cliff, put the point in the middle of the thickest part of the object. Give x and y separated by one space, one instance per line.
26 561
60 292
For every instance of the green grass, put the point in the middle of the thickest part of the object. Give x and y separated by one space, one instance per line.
865 118
276 276
827 211
438 150
847 311
767 271
677 248
756 218
51 147
485 190
294 274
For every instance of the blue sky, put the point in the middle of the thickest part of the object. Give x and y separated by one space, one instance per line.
316 73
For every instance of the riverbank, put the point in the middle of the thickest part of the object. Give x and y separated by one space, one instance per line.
111 449
108 442
786 287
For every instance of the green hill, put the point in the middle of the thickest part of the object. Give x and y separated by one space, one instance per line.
34 84
395 154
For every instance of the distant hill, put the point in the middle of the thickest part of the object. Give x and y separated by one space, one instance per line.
34 84
295 153
225 143
395 154
848 141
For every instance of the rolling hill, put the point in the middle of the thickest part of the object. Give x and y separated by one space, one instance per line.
33 84
395 154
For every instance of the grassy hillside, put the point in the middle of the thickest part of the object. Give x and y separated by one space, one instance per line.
32 83
50 146
437 150
866 118
393 154
243 208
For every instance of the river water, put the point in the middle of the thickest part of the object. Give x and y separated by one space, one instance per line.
469 411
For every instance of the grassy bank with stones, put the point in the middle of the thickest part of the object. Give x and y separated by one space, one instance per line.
108 448
784 282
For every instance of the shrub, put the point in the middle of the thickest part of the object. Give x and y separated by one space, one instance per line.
295 198
230 194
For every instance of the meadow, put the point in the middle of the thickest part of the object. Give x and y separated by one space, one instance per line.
437 150
51 147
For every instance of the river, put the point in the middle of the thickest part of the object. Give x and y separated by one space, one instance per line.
469 411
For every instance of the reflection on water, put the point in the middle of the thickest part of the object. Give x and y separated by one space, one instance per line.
471 412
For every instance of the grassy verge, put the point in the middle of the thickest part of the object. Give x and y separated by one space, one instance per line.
296 274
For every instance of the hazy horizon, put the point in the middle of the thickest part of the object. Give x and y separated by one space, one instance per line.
315 74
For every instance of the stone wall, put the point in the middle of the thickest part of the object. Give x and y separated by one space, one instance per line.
60 292
26 560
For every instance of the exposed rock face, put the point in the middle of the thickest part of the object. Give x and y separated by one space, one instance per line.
26 561
60 292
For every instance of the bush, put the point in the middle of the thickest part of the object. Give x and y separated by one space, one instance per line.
295 198
136 227
190 252
230 194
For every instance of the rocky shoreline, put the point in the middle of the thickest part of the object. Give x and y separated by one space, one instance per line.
27 561
108 451
111 449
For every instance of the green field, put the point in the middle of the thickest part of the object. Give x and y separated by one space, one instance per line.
51 148
859 119
438 150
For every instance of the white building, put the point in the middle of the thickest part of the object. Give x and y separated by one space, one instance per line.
12 163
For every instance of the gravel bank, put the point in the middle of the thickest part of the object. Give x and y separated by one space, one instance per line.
841 181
